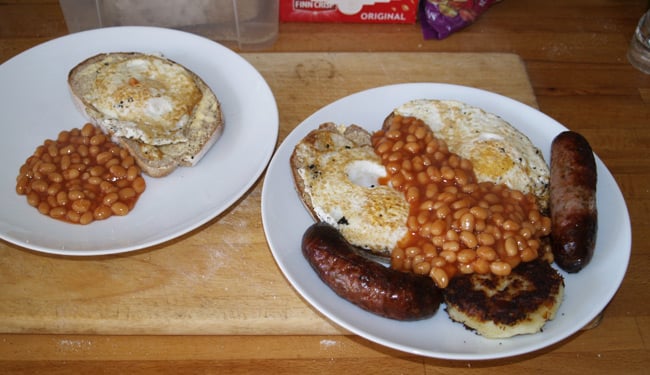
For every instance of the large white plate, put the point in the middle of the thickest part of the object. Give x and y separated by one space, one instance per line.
587 293
35 104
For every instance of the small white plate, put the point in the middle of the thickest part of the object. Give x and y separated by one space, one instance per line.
285 219
35 105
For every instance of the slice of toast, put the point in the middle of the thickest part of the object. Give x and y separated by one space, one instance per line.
336 173
163 113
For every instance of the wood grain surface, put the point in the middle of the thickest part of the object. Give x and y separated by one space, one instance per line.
147 311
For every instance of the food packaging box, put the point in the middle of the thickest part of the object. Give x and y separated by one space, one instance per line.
359 11
246 24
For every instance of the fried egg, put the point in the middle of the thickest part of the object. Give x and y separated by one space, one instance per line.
143 97
498 151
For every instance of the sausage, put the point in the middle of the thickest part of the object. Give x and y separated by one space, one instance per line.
574 216
381 290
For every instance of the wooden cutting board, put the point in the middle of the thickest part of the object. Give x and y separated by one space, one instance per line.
222 278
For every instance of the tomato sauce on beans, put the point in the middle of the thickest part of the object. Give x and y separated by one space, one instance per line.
81 177
456 224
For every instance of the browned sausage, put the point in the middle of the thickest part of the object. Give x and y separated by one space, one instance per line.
371 286
574 217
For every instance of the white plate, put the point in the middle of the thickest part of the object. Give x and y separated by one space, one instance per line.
35 104
587 293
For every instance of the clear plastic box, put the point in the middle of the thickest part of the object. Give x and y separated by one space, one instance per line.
246 24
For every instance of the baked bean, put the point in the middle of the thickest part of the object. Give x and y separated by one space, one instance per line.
486 252
447 173
438 261
422 268
451 246
39 186
97 139
393 134
500 268
481 266
465 268
86 218
67 150
58 212
466 255
33 199
443 211
127 193
528 254
93 150
119 208
118 171
44 208
438 227
468 239
95 180
72 216
412 147
384 146
103 157
448 255
88 130
510 246
70 174
486 226
431 190
440 277
81 205
485 239
82 150
80 177
102 212
53 189
133 173
76 194
112 162
412 194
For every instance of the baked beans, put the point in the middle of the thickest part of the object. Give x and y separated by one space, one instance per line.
81 177
456 224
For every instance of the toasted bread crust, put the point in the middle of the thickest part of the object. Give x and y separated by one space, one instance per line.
203 129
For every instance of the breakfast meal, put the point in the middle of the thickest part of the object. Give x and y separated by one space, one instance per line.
81 177
163 113
148 115
471 215
573 201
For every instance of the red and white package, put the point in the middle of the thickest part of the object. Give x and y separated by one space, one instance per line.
359 11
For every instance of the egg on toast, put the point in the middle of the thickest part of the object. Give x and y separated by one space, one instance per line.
161 111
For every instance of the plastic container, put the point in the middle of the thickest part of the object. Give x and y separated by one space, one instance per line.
246 24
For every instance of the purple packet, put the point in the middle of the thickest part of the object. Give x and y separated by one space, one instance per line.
441 18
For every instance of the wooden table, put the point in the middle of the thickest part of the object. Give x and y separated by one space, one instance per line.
565 57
